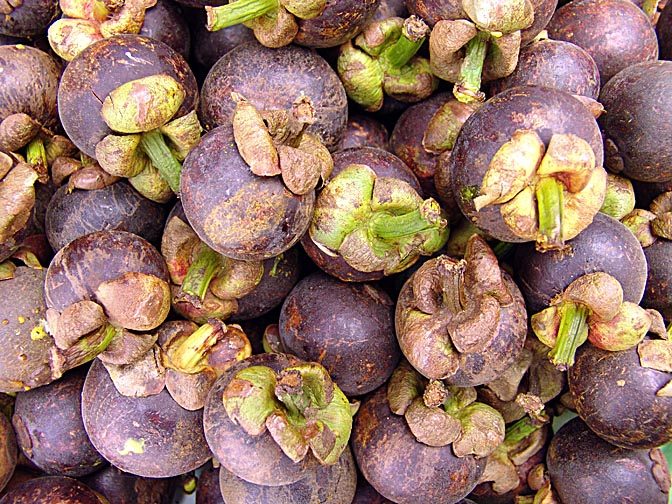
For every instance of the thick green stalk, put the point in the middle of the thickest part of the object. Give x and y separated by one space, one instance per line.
550 203
468 87
154 145
201 272
36 153
237 12
572 333
390 227
400 53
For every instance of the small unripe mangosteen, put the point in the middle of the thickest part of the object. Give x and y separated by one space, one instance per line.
585 468
49 427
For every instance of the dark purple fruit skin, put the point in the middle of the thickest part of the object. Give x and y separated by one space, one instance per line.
364 131
340 21
52 489
546 110
207 487
637 136
29 18
346 327
616 397
105 65
49 427
73 213
24 361
235 212
407 135
658 291
273 79
605 245
257 459
384 164
120 487
171 438
78 268
401 468
664 32
334 484
281 273
29 83
553 63
9 451
165 21
585 469
630 35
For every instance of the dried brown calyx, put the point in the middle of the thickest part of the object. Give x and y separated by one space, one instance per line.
274 142
453 307
548 194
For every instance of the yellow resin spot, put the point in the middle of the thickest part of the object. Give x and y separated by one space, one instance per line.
133 446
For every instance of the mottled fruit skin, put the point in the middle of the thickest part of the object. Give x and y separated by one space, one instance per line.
49 427
346 327
333 484
664 32
585 469
29 83
553 63
339 22
151 436
207 487
616 397
73 213
105 65
28 18
24 361
273 79
616 33
51 489
166 21
9 451
638 141
606 245
401 468
545 110
256 459
235 212
658 291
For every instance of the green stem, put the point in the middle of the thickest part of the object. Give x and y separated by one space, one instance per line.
36 153
201 272
389 227
572 333
520 430
154 145
468 88
550 203
237 12
407 45
193 349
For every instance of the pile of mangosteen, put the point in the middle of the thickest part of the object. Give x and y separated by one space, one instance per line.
335 251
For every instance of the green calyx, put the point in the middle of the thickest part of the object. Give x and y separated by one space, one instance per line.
245 11
140 113
300 407
382 61
376 223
